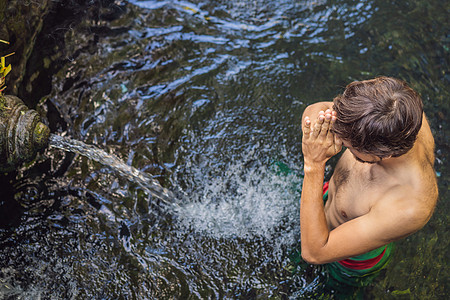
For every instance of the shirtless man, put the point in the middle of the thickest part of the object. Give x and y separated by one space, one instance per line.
383 187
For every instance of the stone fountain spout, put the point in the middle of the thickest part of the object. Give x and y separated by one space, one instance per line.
22 134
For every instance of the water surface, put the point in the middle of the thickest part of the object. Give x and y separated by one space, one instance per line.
206 97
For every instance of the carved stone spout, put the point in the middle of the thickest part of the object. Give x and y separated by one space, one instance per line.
22 134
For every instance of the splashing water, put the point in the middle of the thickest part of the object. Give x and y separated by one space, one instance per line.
241 195
145 181
244 204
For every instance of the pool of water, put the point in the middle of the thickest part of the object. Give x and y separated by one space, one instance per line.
206 97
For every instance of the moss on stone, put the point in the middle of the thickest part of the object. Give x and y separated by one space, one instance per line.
20 23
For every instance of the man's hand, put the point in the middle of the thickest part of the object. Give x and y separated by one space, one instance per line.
319 143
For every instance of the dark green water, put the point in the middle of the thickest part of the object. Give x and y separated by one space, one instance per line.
204 96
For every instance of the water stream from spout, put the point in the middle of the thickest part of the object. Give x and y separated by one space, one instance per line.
92 152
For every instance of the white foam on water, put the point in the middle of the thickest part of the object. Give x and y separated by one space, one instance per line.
243 202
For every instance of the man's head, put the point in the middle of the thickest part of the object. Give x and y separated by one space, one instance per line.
380 117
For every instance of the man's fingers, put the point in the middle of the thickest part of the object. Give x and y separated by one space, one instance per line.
318 124
306 127
321 126
317 128
326 124
331 118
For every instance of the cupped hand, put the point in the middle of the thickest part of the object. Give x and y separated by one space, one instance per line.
319 143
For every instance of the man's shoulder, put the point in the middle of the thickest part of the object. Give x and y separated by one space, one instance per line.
410 209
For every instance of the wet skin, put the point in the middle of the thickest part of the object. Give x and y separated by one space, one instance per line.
372 201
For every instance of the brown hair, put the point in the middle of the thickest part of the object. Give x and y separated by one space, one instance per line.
381 116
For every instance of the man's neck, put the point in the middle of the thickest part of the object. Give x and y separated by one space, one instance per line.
396 162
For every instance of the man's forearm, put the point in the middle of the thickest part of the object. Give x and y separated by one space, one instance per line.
313 224
318 145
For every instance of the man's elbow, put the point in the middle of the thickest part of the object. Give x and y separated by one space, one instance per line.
312 259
